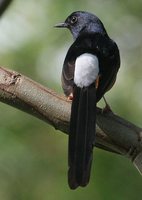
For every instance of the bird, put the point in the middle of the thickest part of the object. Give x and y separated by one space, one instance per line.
90 69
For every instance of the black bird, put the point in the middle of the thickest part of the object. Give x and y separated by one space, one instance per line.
89 70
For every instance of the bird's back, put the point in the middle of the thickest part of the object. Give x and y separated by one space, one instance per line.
108 55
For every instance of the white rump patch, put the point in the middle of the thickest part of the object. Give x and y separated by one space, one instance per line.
86 70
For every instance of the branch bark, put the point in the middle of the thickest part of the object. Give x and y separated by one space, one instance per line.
113 133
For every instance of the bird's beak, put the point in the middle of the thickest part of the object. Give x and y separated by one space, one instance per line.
61 25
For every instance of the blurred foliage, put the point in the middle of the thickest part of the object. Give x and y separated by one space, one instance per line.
33 156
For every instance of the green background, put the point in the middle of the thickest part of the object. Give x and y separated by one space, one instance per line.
33 156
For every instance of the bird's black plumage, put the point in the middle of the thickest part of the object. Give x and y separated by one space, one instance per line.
90 37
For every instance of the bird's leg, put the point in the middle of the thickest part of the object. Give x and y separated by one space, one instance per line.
107 107
70 97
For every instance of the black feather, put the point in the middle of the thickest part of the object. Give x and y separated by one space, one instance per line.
90 37
107 53
81 137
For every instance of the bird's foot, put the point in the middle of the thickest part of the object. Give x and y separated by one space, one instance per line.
70 97
107 107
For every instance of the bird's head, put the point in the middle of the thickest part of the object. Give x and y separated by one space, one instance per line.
80 22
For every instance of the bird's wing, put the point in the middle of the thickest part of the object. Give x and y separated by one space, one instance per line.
67 76
109 60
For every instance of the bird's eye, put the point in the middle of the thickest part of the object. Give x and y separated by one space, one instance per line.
73 20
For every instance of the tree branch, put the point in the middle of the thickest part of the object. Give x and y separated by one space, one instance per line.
112 132
4 5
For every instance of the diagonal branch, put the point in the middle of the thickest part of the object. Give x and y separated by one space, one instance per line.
113 133
4 5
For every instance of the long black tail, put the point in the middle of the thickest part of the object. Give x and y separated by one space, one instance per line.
81 137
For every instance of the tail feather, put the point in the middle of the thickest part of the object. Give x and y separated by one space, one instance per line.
81 138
